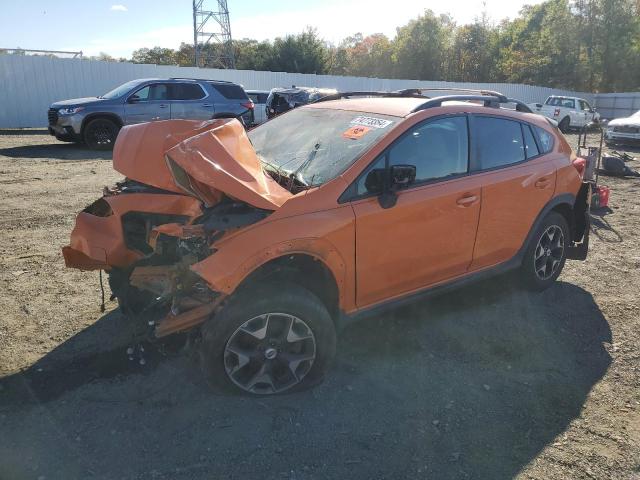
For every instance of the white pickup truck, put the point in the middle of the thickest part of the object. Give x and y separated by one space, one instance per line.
569 112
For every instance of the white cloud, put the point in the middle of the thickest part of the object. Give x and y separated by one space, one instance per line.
118 8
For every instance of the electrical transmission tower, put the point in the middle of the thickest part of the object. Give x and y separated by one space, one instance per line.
212 35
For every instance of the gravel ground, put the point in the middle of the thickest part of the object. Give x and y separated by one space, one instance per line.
487 383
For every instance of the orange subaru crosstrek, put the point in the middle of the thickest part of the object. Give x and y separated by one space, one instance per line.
264 243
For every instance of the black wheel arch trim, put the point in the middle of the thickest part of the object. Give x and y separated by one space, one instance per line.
105 115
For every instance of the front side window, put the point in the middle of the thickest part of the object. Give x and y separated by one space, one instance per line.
499 142
186 91
316 144
156 91
438 149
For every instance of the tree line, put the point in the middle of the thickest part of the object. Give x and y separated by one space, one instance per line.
585 45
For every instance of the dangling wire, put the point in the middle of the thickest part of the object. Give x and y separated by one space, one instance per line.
102 307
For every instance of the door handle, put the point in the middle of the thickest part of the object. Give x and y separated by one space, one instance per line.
542 182
207 104
467 200
163 105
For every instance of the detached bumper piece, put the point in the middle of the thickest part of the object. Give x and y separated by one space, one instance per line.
582 224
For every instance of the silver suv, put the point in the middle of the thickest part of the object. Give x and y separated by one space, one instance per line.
97 120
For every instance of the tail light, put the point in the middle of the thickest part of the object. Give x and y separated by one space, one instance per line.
248 105
580 164
556 112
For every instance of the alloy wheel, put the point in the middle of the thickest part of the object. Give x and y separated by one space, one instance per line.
549 252
270 353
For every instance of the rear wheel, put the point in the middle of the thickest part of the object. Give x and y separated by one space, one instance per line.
269 340
100 134
546 255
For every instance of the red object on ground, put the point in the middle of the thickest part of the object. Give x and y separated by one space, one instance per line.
603 194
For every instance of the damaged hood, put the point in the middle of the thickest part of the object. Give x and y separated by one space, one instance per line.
212 158
632 121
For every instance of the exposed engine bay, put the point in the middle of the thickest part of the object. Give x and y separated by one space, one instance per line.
187 185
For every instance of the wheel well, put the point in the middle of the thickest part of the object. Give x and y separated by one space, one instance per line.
303 270
566 211
108 116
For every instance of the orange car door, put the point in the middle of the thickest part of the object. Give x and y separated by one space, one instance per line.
428 235
518 179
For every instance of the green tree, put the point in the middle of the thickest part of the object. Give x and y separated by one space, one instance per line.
302 53
421 47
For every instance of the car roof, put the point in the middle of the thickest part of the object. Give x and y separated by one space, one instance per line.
404 106
394 106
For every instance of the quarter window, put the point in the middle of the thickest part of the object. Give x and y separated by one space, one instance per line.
438 149
545 140
499 142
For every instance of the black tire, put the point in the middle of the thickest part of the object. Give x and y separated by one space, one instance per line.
100 134
225 369
531 274
564 125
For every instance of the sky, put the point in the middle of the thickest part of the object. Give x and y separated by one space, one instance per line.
118 27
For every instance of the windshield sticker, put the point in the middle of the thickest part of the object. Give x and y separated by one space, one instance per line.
371 122
356 132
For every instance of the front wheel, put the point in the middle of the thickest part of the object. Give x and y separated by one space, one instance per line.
546 255
100 134
268 340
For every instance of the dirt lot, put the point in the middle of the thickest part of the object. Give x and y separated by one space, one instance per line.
485 383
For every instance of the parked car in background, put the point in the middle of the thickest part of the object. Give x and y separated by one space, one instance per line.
569 112
281 100
259 99
624 130
97 120
268 242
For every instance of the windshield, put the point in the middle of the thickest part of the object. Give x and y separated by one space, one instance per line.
121 90
315 145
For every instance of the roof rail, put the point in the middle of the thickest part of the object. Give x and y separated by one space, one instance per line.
339 95
488 97
200 79
490 93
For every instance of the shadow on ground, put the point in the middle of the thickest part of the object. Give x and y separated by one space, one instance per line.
57 151
470 385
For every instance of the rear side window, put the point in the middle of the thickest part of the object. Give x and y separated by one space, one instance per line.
230 91
545 140
438 149
186 91
499 142
530 146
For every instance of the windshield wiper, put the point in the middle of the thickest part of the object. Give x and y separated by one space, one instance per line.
296 174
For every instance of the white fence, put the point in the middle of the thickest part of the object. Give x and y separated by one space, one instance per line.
29 84
617 105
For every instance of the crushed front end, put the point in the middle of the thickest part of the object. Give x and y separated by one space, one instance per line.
187 185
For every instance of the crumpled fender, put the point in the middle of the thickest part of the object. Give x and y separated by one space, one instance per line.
220 273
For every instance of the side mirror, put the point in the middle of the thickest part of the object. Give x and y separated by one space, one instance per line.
399 177
402 176
133 99
375 181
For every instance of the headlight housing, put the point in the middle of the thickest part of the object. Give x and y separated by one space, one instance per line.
70 110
